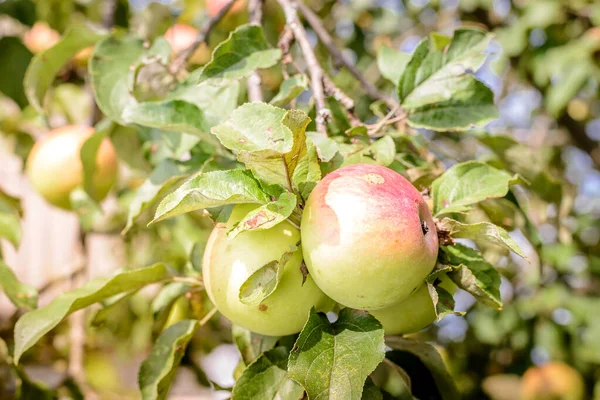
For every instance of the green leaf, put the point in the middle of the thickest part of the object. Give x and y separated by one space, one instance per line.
35 324
391 63
333 360
443 302
46 65
267 215
327 148
158 370
562 91
128 146
105 313
161 181
370 391
290 89
241 54
113 74
20 294
474 274
266 379
436 88
268 140
251 345
263 282
466 184
393 379
14 59
429 356
10 219
308 171
212 189
87 209
28 389
381 152
170 115
167 296
255 127
217 98
88 153
482 231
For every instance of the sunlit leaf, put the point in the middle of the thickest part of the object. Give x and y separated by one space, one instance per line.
158 370
333 360
35 324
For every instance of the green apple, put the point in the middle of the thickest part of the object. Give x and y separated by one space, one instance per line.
228 262
412 314
368 237
54 165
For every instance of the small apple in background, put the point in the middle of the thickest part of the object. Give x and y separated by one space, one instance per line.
554 380
40 37
181 36
54 165
228 262
368 237
214 6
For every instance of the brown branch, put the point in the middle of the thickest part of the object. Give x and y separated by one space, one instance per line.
388 119
315 22
184 57
285 44
332 90
316 72
108 13
255 8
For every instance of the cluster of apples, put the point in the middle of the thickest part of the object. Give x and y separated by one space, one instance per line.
367 238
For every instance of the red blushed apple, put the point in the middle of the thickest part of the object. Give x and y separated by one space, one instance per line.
40 37
214 6
368 237
181 36
555 380
54 165
228 262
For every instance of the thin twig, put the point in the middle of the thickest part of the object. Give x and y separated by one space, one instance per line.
183 57
188 280
315 22
208 316
285 44
316 72
388 119
255 8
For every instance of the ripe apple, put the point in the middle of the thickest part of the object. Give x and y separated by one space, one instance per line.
181 36
40 37
228 262
54 165
412 314
555 380
214 6
368 237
